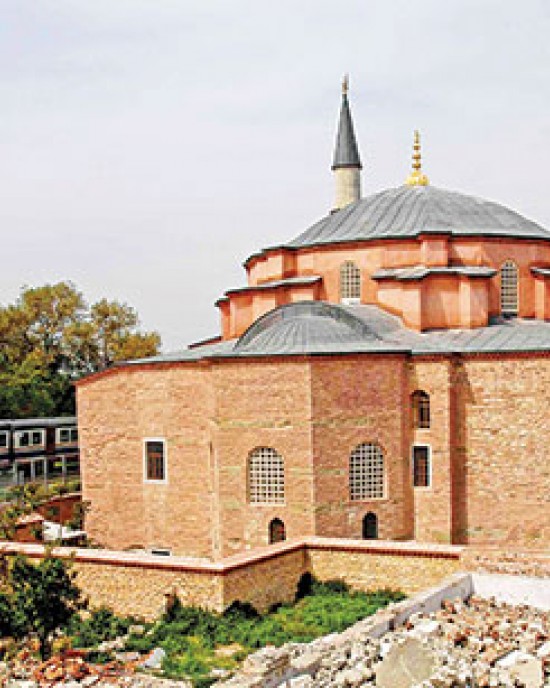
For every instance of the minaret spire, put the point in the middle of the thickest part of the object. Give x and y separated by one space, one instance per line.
417 177
346 163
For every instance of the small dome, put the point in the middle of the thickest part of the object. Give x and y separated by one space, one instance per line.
304 326
408 211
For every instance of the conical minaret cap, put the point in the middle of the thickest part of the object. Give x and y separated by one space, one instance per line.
346 152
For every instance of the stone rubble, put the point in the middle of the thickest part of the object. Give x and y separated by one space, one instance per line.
71 670
480 643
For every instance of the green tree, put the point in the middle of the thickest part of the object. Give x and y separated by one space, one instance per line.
50 337
42 597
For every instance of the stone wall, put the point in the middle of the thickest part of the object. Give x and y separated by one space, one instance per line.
138 584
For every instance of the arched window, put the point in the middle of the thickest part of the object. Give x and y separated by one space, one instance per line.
350 283
277 532
370 526
366 472
420 409
266 477
509 289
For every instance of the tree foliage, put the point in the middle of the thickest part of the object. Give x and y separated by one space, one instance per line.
40 599
50 336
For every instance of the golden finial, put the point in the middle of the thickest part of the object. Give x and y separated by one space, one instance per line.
416 177
345 85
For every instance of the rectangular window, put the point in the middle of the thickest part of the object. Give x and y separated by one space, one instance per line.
421 467
3 440
67 435
155 460
29 438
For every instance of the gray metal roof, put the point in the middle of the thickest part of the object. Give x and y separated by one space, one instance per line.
346 152
407 211
420 271
315 327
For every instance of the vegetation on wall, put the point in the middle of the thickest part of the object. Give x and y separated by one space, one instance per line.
50 336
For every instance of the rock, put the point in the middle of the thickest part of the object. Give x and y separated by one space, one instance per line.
301 682
523 667
426 627
154 660
89 681
406 664
136 629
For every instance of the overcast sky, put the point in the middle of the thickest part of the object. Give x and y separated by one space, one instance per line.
147 147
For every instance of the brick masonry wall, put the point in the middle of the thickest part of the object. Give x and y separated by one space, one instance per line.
261 403
502 474
432 505
355 400
116 413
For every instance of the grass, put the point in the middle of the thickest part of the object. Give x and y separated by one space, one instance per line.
192 637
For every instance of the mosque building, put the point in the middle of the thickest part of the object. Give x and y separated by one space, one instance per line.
385 374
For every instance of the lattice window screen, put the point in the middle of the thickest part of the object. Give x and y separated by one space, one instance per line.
266 477
366 472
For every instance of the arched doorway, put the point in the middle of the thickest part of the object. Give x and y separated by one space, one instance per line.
277 532
370 526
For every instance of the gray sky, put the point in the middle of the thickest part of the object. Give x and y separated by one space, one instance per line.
147 147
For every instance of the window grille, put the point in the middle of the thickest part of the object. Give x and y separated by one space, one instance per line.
155 460
509 289
366 472
266 477
350 283
421 467
421 409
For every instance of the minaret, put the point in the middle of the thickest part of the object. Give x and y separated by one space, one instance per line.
346 164
417 177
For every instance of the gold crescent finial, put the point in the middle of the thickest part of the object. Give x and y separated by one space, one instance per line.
417 177
345 85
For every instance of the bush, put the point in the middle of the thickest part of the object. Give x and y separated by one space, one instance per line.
101 625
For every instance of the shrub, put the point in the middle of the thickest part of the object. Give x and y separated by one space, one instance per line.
101 625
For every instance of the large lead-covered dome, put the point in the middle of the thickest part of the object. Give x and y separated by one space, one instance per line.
407 211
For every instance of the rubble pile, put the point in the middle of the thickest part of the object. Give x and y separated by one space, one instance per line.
71 669
508 563
481 643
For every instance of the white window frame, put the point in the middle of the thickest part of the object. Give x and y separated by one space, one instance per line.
19 433
70 429
151 481
422 445
367 500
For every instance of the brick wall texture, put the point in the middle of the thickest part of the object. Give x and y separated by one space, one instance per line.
487 440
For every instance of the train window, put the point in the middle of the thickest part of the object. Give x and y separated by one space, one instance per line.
67 435
72 466
29 438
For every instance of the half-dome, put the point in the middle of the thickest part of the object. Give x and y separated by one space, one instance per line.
407 211
305 326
